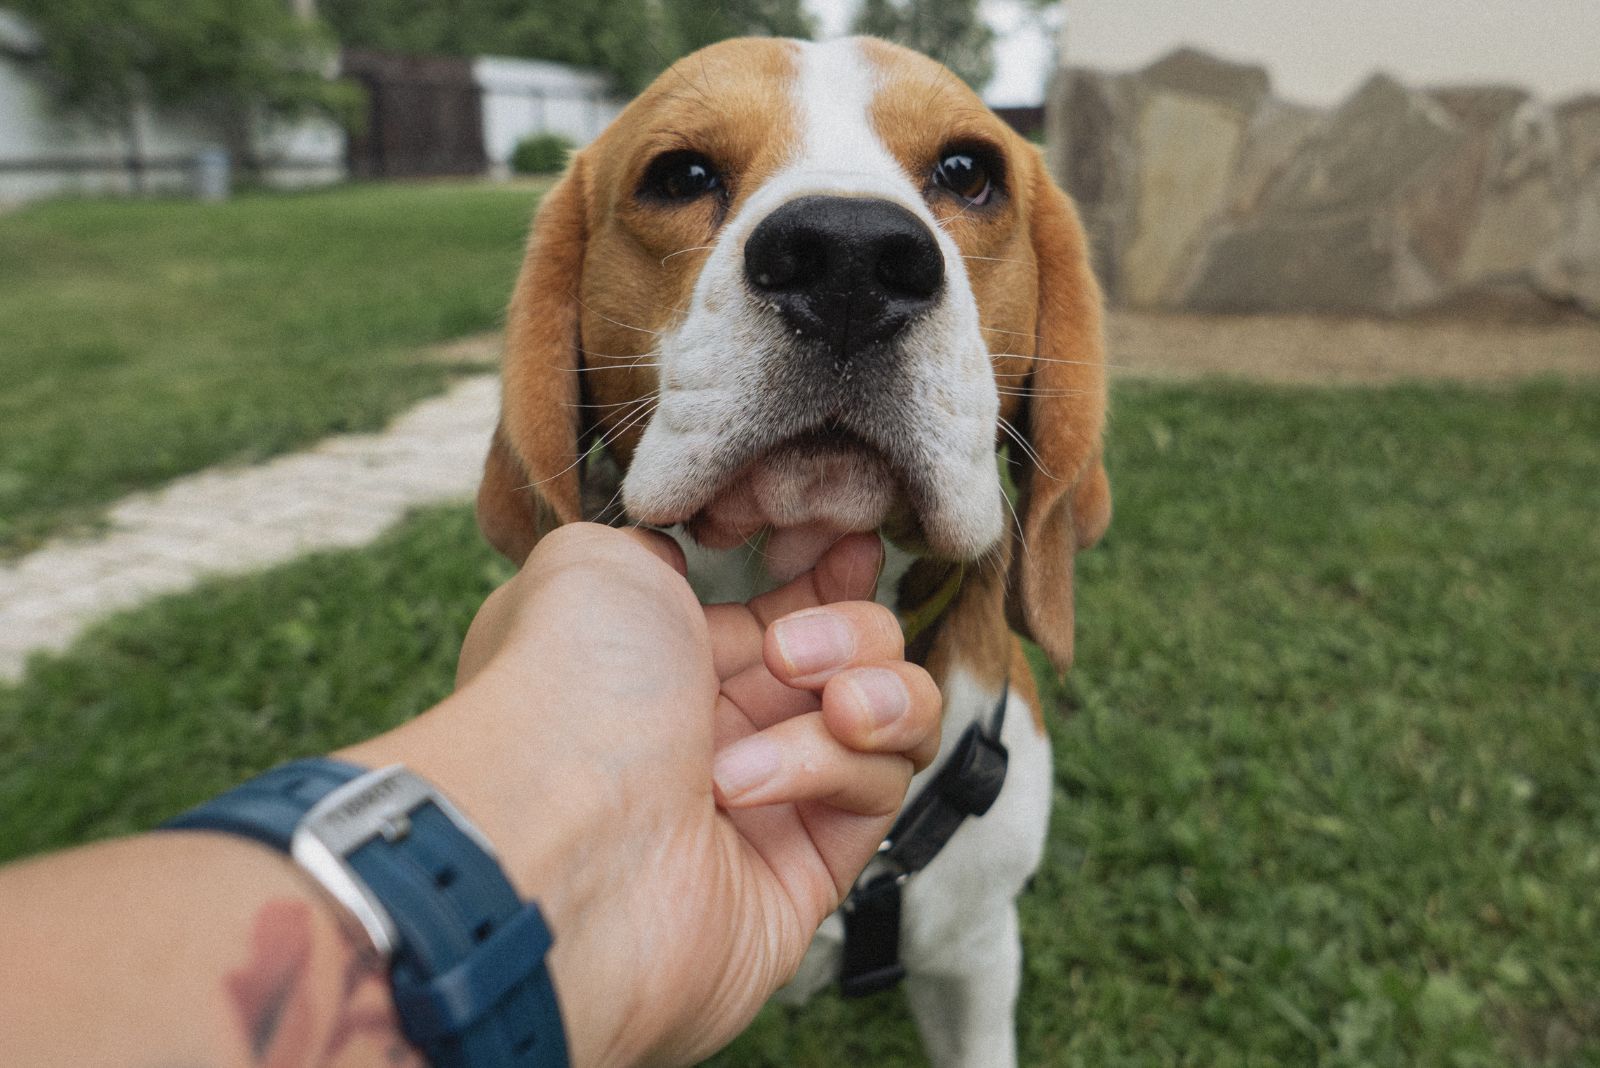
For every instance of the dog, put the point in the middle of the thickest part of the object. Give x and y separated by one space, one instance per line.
797 289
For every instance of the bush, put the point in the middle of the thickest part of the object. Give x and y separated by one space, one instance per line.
541 154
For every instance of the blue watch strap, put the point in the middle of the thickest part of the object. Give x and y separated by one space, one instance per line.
468 973
268 807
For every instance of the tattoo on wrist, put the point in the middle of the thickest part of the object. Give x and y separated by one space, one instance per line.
307 997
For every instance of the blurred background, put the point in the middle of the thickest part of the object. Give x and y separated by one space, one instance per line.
1328 767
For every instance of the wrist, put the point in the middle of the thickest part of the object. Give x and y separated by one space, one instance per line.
550 824
466 955
528 804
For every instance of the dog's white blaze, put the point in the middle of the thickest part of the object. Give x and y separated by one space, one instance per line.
832 95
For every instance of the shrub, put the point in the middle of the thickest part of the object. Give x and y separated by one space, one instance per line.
541 154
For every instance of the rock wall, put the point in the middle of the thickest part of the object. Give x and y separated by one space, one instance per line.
1203 191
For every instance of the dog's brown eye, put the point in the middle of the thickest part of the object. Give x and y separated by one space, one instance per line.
966 175
681 175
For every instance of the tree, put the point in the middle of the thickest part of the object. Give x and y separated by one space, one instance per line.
951 31
229 59
622 37
698 23
633 40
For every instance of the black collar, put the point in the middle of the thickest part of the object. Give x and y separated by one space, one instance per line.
966 785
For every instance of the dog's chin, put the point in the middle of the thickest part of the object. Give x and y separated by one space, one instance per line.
803 495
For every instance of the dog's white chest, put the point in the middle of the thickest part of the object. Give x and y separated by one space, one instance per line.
958 934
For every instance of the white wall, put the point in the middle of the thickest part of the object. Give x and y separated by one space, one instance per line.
45 152
522 97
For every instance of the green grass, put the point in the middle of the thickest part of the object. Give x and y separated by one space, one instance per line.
1328 769
143 340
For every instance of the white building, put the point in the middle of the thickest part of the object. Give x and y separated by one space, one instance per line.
47 152
524 97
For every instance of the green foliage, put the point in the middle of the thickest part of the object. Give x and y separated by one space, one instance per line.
628 38
145 340
1325 769
232 56
951 31
633 40
544 153
698 24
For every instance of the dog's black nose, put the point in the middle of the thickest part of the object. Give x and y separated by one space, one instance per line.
849 272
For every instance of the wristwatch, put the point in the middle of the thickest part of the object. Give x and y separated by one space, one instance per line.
466 957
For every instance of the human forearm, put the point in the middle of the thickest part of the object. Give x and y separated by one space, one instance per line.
184 949
685 792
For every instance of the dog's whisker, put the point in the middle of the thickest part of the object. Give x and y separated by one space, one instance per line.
995 259
615 322
681 251
1041 359
1056 359
1011 432
629 361
1022 442
611 367
1007 458
601 407
1013 392
1002 330
960 214
1021 534
752 547
612 436
647 408
614 502
615 356
623 427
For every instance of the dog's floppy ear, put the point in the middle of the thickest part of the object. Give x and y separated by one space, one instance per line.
531 477
1064 499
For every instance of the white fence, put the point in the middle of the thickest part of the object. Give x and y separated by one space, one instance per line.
523 97
46 152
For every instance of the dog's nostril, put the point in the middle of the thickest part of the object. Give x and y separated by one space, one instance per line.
910 267
775 273
796 262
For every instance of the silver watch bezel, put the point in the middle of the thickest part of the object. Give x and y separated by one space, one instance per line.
377 803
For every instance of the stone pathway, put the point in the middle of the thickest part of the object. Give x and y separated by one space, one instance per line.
1306 350
348 490
342 493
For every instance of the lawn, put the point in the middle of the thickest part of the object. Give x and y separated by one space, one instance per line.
144 340
1328 769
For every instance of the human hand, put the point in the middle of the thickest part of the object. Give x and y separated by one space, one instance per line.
687 791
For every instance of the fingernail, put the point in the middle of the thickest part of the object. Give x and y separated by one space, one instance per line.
814 642
744 765
882 694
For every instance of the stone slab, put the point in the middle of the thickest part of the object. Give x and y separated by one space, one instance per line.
1202 191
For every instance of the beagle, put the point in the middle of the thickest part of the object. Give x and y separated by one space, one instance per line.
798 289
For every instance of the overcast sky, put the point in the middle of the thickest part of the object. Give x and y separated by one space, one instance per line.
1316 52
